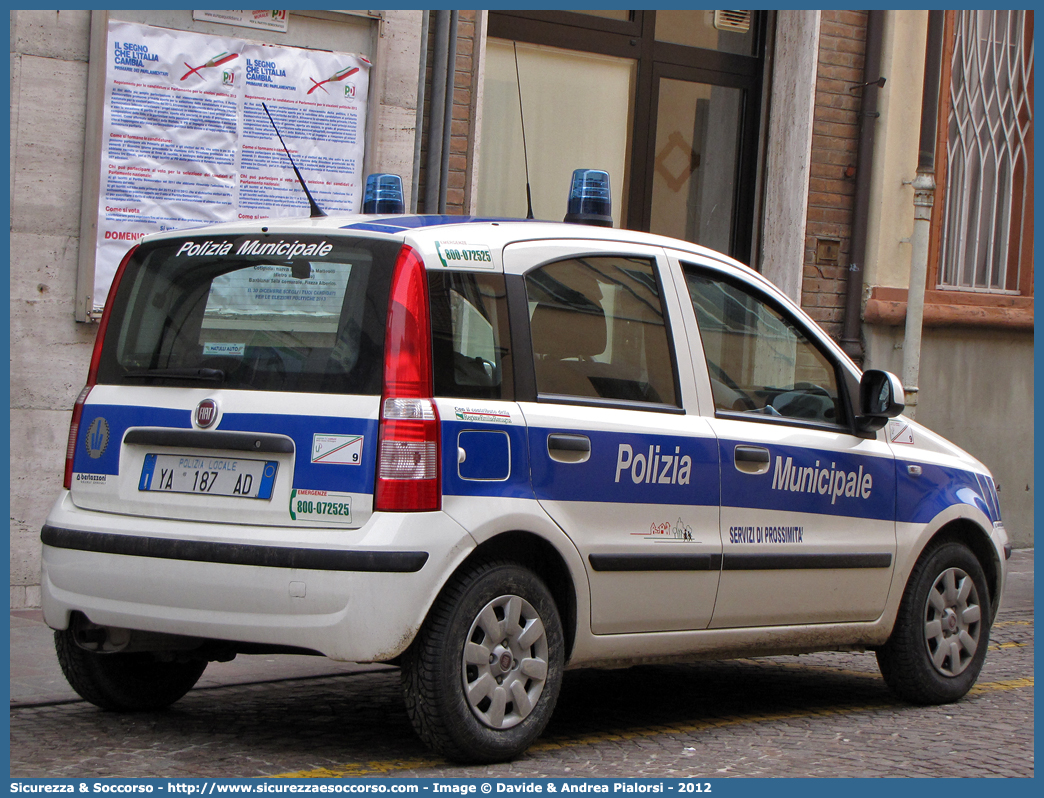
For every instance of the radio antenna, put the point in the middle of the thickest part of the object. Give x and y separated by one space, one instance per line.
316 211
525 155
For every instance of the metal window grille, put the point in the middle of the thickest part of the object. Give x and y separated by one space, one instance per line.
988 180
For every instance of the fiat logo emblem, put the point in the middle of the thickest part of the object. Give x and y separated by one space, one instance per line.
206 413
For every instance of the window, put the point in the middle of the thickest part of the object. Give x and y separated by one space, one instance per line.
120 163
469 335
577 109
760 362
599 330
698 136
667 102
725 31
231 312
988 214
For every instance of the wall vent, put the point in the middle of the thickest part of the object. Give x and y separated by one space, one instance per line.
734 21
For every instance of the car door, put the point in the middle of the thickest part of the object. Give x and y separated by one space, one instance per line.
620 459
807 504
483 435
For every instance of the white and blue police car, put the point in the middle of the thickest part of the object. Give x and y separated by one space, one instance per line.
488 450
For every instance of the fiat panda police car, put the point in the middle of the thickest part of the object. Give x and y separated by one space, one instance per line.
486 451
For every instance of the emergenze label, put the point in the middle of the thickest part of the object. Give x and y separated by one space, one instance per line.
833 482
320 505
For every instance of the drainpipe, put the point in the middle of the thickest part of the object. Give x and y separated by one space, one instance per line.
422 81
851 340
924 197
436 114
447 122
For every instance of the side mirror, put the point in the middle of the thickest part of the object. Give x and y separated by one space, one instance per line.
881 397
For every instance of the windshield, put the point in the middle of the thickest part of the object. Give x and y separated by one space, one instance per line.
256 312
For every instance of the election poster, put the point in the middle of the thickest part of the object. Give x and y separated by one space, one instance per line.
262 20
186 141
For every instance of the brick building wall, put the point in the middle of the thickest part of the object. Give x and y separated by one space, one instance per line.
460 131
835 132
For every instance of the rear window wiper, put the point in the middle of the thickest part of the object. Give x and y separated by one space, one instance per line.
211 375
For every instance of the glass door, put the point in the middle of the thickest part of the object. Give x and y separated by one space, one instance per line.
577 109
700 158
695 162
667 101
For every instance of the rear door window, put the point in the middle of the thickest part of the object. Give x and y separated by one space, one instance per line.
290 313
470 338
599 330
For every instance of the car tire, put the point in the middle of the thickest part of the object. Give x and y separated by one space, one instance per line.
482 678
135 682
941 633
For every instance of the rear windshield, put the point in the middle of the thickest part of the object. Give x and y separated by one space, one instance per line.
258 312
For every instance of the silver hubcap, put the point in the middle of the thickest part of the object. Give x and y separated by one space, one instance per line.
505 662
952 622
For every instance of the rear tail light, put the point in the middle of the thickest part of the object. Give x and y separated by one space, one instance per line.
408 465
92 372
74 434
408 473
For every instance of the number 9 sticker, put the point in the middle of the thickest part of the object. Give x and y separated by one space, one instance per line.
337 449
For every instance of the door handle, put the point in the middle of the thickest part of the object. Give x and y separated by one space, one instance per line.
566 448
752 459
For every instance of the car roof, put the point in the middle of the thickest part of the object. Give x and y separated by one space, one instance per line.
493 231
427 230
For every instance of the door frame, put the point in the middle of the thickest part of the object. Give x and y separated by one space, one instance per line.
635 39
643 163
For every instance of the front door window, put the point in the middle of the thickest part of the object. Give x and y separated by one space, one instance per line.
759 361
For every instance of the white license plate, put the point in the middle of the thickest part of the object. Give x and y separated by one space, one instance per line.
208 476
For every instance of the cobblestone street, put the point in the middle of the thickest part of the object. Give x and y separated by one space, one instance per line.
815 715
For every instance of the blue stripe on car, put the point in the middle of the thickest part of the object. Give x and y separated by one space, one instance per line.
314 476
917 499
920 498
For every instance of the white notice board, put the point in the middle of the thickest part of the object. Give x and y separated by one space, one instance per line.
186 142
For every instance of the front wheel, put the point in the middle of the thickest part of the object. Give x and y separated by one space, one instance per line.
136 682
483 676
941 633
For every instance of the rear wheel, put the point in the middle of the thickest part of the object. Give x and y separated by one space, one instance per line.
483 676
941 633
136 682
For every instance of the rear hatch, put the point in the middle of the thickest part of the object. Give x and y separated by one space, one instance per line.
239 381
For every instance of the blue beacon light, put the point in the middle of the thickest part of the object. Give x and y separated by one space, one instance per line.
383 194
590 200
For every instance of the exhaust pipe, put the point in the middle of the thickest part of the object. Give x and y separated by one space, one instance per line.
116 640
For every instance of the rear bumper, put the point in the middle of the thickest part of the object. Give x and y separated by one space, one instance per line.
356 595
308 559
